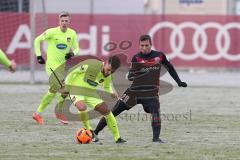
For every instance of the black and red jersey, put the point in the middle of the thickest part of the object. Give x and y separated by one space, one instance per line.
146 68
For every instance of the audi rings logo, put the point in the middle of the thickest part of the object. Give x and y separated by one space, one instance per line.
199 47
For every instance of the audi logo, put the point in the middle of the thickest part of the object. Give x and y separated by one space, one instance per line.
199 47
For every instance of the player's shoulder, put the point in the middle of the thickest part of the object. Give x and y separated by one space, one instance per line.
53 29
157 53
135 56
71 31
50 31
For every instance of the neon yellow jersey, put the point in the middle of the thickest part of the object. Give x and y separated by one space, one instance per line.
59 44
90 77
4 60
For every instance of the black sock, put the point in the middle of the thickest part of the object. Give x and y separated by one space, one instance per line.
156 125
101 124
117 109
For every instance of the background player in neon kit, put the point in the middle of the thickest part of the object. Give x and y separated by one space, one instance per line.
145 73
61 41
11 65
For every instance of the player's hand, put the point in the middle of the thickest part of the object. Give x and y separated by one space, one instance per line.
40 60
114 95
13 66
182 84
63 92
69 55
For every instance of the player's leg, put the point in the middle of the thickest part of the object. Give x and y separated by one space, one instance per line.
83 115
47 98
111 121
152 106
127 101
102 108
117 109
59 113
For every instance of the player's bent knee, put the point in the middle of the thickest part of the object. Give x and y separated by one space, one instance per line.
51 90
102 108
80 106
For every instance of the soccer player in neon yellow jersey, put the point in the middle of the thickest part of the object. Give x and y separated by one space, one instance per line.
11 65
62 45
88 78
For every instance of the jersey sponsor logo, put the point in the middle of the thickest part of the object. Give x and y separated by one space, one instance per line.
150 68
61 46
92 83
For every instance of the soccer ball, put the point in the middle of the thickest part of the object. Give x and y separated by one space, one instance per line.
84 136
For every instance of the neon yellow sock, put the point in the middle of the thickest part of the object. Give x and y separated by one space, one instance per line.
85 119
112 124
47 98
61 101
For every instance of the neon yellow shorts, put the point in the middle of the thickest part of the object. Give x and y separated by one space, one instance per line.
89 101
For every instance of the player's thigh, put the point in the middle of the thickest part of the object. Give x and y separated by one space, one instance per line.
97 104
79 102
92 102
151 105
119 107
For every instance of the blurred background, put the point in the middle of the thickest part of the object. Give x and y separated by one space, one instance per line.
198 36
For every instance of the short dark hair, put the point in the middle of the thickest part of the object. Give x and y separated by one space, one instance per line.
115 62
145 37
64 14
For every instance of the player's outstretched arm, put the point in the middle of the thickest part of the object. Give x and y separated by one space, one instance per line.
173 72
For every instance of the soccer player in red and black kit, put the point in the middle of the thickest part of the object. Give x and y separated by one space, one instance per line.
145 74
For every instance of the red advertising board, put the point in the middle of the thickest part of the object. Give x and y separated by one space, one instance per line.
188 41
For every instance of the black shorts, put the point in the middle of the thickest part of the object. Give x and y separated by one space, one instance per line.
147 96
